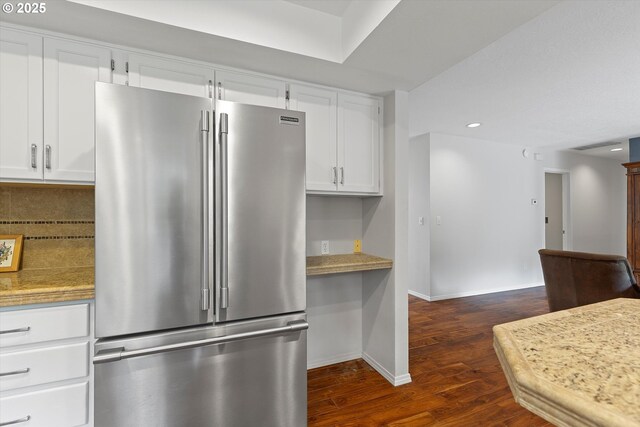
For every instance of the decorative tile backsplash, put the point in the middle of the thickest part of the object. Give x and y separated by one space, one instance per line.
57 224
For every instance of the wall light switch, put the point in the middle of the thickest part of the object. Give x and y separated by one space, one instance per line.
438 220
357 246
324 247
420 220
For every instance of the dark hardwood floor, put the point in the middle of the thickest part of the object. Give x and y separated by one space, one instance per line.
457 379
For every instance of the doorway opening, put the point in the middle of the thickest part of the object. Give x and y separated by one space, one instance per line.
556 210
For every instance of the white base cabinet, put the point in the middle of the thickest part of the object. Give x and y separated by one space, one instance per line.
46 375
64 406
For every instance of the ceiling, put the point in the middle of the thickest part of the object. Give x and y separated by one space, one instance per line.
332 7
536 73
567 78
414 41
620 155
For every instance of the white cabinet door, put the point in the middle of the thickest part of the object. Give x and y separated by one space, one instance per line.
20 105
70 72
320 108
358 144
151 72
248 89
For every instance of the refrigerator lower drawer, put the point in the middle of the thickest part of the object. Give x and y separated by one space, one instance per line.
257 381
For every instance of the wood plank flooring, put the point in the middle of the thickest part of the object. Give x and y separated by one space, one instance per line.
457 379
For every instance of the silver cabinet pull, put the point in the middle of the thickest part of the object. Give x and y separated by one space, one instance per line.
47 154
335 175
204 128
341 175
219 90
210 87
34 156
121 353
18 372
18 421
224 271
15 331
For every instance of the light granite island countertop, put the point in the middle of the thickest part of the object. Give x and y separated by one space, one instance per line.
576 367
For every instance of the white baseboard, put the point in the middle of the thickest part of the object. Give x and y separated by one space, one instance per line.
419 295
484 291
333 359
396 380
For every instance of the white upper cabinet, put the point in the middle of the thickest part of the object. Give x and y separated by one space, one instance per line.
250 89
47 107
358 144
70 72
20 105
170 76
321 114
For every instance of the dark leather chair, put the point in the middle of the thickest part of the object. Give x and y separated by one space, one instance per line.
573 279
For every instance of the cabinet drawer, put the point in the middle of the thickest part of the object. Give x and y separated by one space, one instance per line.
44 365
43 324
55 407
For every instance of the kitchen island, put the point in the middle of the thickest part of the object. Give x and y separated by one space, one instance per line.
576 367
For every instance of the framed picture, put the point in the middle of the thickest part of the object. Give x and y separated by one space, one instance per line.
10 252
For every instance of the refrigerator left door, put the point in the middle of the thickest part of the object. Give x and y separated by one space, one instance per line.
152 218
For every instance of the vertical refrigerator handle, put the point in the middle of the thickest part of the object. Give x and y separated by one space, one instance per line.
204 129
224 279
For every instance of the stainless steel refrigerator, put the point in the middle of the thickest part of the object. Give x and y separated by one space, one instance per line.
200 262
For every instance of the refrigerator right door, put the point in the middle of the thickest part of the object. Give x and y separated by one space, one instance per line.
260 211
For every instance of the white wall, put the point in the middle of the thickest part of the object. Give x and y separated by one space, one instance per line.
334 302
385 233
336 219
598 201
490 232
419 254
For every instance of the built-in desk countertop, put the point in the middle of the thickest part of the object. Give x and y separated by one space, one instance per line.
576 367
344 263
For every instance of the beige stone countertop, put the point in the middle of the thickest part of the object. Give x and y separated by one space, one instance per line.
46 286
344 263
576 367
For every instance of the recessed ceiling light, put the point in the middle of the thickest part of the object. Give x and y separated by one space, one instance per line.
616 149
473 125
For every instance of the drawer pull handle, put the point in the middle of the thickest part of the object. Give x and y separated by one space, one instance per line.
21 420
18 372
15 331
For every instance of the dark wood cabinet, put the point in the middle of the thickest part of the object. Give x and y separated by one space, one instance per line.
633 217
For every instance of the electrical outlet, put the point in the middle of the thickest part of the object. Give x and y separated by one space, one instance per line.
324 247
357 246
